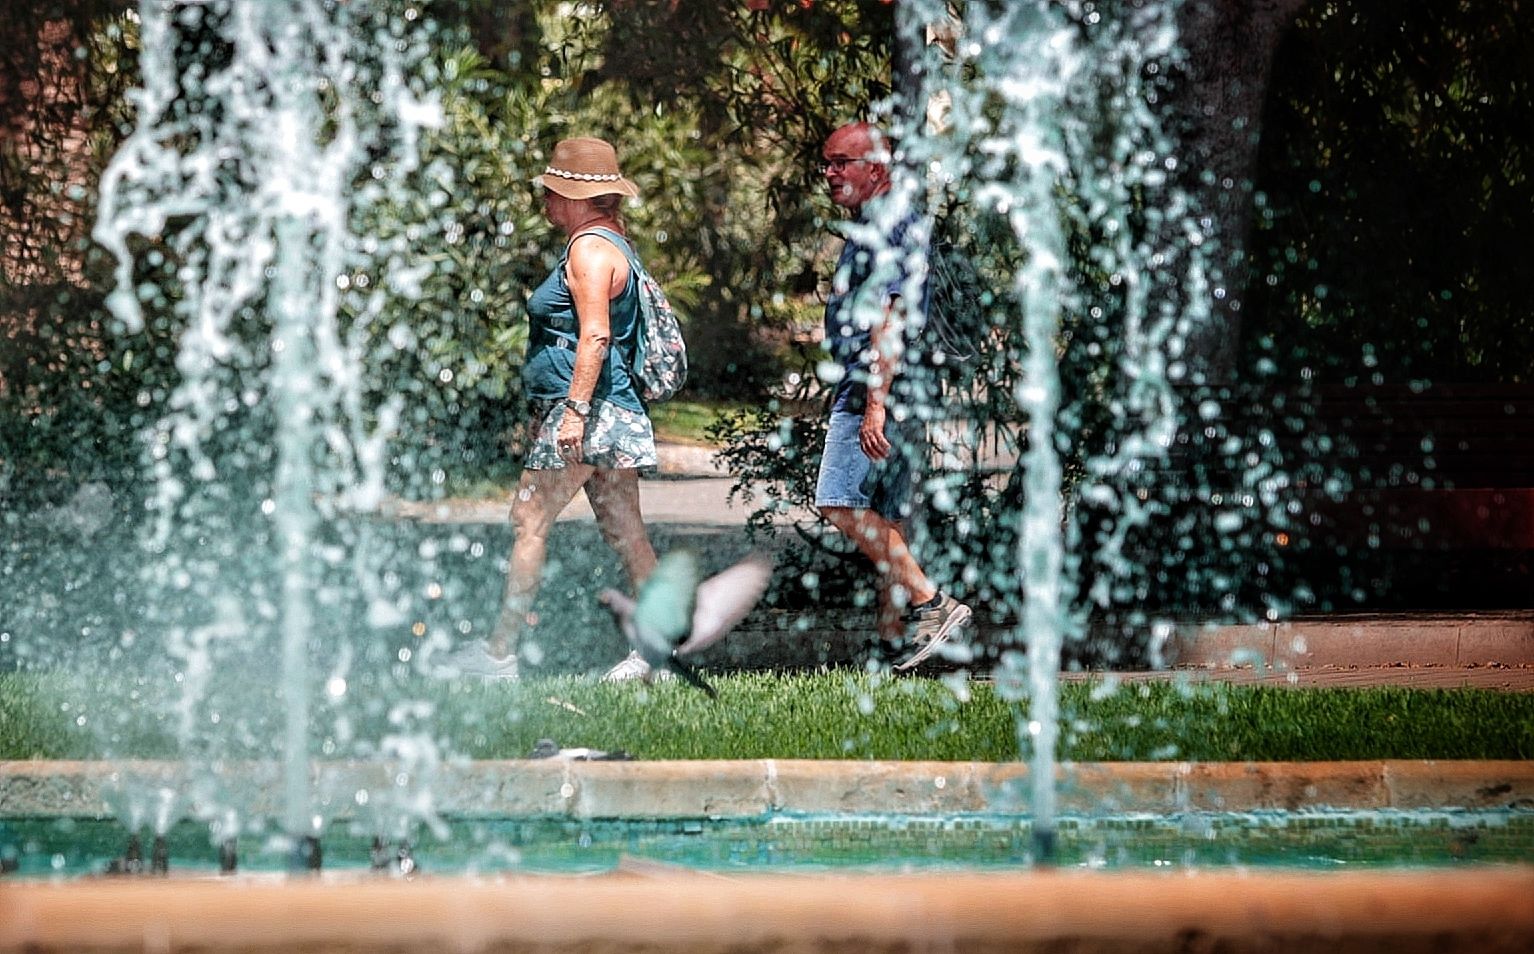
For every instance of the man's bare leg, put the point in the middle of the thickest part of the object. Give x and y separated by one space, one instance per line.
901 580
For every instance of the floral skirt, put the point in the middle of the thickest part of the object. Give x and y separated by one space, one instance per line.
616 438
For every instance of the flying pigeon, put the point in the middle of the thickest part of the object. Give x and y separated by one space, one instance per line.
676 616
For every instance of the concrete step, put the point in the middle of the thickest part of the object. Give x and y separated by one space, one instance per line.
1501 678
1361 640
1483 650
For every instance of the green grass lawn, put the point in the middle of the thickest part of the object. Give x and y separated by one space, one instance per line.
827 715
686 422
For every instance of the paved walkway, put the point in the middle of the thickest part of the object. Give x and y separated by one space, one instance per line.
1475 649
695 502
690 490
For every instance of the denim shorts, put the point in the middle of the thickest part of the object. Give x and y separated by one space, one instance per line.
849 479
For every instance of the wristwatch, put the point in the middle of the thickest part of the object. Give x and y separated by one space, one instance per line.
582 408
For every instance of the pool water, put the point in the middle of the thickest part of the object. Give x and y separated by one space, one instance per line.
68 848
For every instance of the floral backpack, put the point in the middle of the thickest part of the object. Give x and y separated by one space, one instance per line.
659 364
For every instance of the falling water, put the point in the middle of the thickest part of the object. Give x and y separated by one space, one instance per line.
263 131
250 168
1055 133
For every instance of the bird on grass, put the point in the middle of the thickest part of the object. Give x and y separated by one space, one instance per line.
676 615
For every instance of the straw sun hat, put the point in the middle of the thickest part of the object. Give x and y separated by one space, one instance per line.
584 168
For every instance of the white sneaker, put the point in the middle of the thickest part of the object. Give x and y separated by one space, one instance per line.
475 660
633 667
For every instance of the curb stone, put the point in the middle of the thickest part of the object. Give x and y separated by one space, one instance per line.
753 788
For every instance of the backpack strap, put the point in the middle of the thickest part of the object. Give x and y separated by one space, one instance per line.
636 268
613 237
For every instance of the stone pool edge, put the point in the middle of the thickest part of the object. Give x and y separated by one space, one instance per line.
1476 910
754 788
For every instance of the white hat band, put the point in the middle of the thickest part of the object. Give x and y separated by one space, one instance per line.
582 176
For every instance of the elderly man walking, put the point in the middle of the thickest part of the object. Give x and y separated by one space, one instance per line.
863 488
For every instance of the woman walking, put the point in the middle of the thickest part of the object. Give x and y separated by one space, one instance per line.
589 426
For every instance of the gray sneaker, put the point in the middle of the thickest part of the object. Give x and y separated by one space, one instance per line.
933 624
475 661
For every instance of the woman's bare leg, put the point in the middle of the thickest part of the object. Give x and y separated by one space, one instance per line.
614 496
535 505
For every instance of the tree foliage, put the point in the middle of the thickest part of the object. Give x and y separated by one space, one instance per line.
1396 191
713 165
1393 191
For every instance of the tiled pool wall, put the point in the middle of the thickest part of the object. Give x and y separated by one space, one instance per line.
52 848
1239 858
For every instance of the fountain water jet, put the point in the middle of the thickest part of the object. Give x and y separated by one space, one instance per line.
264 174
1058 135
252 160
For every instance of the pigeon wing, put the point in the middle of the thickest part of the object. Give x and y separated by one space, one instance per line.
622 607
725 599
623 610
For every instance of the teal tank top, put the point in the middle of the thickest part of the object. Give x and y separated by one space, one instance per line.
554 328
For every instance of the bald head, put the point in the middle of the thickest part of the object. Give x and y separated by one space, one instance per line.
861 137
857 164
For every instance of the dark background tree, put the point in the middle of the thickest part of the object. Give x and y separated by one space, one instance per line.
1395 193
1216 108
766 83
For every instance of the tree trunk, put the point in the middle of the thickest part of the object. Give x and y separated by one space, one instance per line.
1217 109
